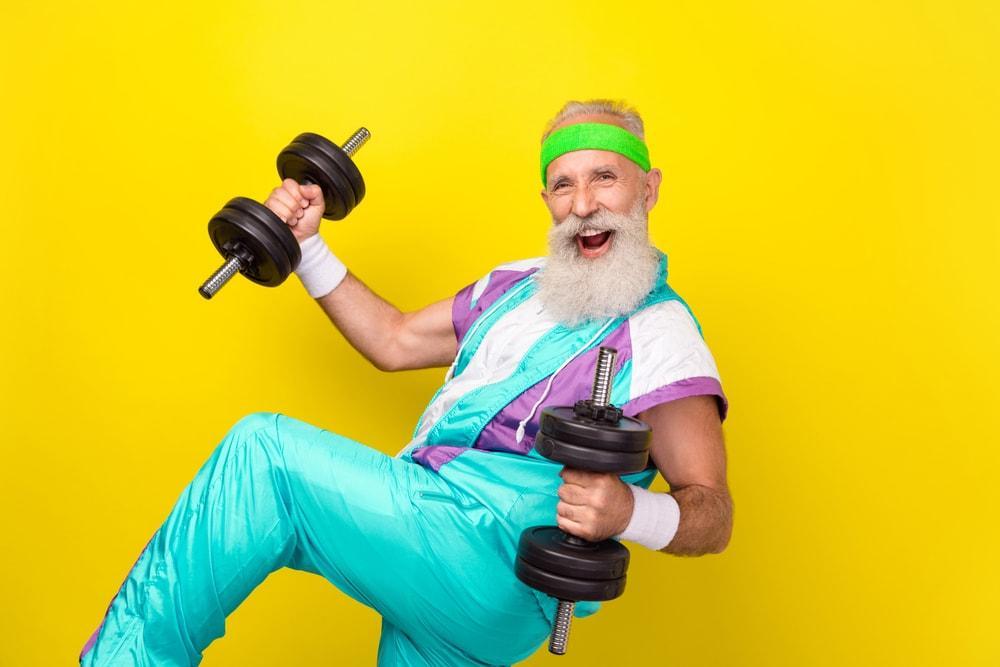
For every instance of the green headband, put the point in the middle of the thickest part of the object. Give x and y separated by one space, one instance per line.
594 136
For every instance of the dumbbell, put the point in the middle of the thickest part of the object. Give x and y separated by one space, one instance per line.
592 435
255 241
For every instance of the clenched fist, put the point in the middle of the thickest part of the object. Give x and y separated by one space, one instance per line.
299 206
593 505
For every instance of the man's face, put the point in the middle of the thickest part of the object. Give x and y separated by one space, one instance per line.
600 262
587 182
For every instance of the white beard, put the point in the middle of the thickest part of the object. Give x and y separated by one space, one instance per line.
575 289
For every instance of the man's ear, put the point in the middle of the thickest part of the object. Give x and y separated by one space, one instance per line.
653 179
545 197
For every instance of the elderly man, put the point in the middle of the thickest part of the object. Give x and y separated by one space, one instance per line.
428 537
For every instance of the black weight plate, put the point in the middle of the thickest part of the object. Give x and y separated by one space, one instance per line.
350 170
546 548
270 264
272 223
269 221
628 435
566 588
587 458
343 160
240 221
280 231
304 161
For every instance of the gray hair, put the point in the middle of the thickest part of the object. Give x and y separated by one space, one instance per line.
618 108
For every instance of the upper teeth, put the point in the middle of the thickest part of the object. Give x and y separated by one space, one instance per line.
590 232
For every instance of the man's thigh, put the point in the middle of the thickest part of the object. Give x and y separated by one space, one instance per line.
429 557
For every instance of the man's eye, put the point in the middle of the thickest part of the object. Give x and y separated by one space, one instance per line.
606 176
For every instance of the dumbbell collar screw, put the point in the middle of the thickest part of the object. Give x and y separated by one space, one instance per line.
586 409
237 249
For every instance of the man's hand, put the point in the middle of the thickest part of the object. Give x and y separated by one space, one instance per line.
593 505
299 206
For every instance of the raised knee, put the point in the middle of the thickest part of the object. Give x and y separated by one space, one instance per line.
254 423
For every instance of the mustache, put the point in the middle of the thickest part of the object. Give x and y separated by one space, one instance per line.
599 221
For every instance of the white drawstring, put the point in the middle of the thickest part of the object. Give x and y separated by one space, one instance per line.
548 385
479 320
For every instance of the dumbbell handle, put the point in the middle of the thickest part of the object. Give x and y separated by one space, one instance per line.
604 373
560 627
221 276
356 141
600 395
237 259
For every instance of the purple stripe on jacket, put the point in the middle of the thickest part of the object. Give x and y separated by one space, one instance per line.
463 313
697 386
435 456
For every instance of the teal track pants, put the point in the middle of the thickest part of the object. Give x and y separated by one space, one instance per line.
432 552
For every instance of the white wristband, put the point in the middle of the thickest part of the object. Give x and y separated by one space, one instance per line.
655 518
319 269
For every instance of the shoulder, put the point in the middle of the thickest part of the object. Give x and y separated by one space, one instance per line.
667 324
670 358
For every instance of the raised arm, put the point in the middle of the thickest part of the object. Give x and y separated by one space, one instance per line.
390 339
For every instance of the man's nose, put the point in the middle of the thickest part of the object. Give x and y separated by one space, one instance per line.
584 202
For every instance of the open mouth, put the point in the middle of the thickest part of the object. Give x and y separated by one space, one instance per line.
593 243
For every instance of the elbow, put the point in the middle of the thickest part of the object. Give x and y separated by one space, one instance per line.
716 534
387 363
709 526
390 356
723 542
725 528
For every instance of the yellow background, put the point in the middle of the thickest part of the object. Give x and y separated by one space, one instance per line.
829 207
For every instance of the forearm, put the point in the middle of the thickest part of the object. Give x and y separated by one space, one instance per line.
388 338
706 521
368 322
